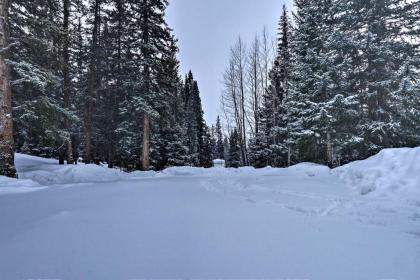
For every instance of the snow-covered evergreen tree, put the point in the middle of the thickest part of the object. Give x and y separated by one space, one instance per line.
269 146
234 159
36 77
220 148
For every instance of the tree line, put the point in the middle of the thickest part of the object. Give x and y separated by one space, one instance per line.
343 83
97 81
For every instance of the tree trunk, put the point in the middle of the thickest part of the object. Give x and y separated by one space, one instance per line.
7 166
92 86
111 159
66 78
146 142
329 150
256 98
243 109
146 75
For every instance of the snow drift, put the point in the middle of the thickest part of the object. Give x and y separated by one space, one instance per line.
301 222
15 186
48 172
392 172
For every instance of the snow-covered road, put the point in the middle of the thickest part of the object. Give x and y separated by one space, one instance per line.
87 222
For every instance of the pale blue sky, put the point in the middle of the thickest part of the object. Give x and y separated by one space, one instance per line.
207 28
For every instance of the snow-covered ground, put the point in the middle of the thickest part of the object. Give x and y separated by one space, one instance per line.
360 221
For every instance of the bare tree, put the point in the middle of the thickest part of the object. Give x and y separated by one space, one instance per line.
234 95
7 166
254 83
229 99
267 47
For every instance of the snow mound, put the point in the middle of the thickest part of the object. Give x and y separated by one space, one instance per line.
310 169
303 169
15 186
48 172
183 171
391 172
144 174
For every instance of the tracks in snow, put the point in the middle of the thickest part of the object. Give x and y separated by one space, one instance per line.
316 198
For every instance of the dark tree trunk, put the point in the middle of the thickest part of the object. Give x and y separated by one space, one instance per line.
7 167
91 86
66 79
146 143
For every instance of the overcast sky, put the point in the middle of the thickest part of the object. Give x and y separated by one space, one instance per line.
207 28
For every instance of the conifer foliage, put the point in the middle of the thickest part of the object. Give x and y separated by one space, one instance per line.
343 85
98 81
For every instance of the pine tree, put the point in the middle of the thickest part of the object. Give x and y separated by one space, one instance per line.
114 66
36 77
310 91
197 136
220 148
269 145
213 141
206 159
153 33
261 146
234 150
66 80
374 59
171 128
226 147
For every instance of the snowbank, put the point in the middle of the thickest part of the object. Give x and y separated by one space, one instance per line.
48 172
14 186
392 172
304 169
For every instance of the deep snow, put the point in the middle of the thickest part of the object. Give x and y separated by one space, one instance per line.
360 221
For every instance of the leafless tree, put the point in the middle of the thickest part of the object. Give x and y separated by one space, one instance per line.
234 95
254 83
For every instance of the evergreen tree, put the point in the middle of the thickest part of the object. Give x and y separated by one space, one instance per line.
206 158
213 141
36 77
308 117
170 132
234 160
226 148
191 118
269 145
197 135
220 148
375 62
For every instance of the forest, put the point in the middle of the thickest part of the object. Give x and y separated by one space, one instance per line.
297 156
98 81
341 85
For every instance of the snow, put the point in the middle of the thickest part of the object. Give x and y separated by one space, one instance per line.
14 186
220 163
48 172
393 172
303 222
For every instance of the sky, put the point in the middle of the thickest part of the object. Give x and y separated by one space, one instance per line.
206 29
